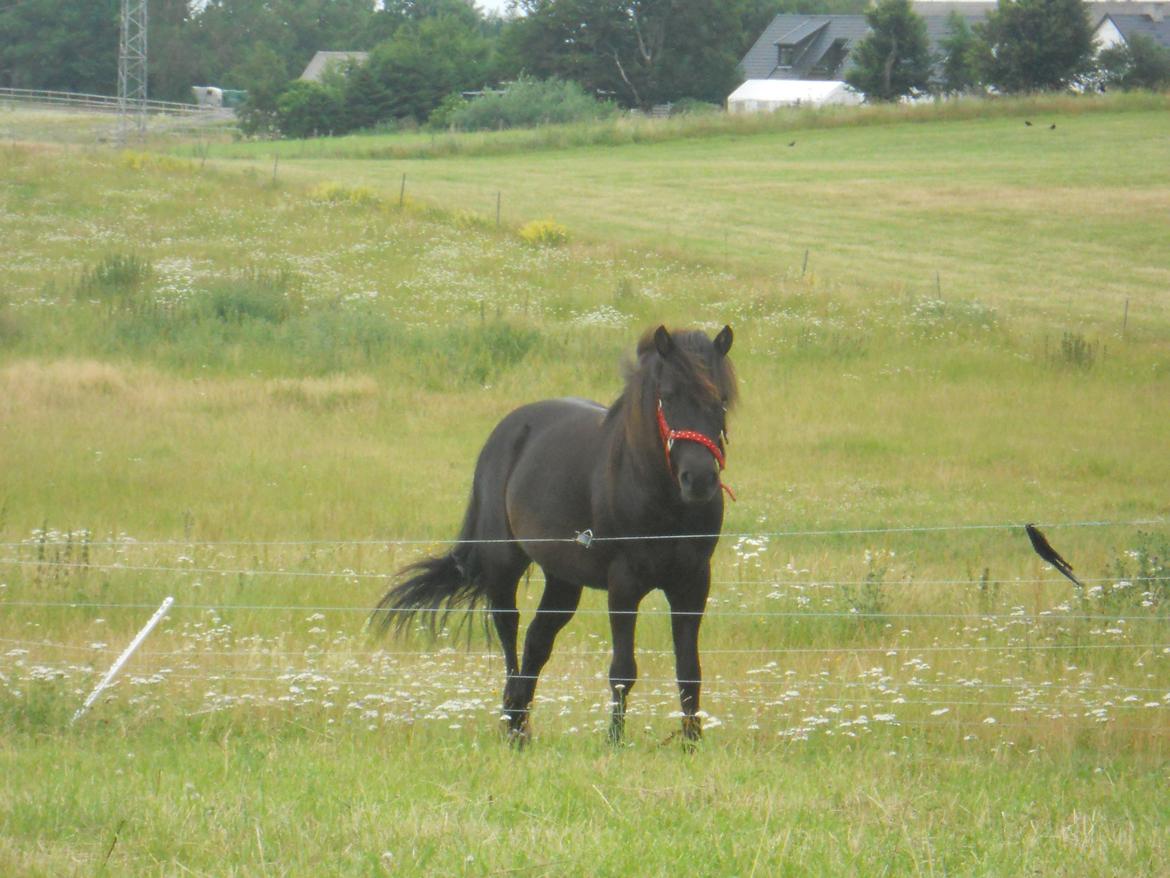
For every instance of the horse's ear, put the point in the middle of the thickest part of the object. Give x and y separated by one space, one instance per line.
723 341
663 341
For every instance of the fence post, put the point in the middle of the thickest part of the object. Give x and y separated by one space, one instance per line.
123 658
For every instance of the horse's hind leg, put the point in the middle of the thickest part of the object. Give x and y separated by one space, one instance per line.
506 618
503 577
557 606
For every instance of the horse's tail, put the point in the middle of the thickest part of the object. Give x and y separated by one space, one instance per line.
434 587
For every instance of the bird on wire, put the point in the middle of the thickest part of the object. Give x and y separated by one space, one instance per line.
1044 550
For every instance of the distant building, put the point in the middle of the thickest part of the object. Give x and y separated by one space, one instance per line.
817 47
765 95
208 96
323 61
1117 29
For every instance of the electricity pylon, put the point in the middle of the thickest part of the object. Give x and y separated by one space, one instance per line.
132 69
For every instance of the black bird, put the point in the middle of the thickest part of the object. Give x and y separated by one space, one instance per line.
792 143
1049 554
1052 127
1026 122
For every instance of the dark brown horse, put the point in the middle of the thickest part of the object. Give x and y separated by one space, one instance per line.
639 481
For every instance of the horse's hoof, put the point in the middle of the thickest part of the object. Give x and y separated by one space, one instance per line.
515 729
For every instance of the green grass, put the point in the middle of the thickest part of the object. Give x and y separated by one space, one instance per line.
1066 221
624 130
235 368
218 798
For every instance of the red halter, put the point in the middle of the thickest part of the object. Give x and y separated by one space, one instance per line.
669 437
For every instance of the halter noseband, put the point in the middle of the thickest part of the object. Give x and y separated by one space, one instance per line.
669 437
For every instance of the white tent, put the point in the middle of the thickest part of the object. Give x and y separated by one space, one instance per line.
765 95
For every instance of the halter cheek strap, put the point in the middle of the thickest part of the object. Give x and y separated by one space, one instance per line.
669 437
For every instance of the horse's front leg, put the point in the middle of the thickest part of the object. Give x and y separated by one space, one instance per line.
624 597
687 604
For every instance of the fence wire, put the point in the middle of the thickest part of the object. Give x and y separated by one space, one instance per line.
583 537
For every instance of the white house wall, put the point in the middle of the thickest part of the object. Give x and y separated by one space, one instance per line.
1106 36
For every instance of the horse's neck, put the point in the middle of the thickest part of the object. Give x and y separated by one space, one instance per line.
637 478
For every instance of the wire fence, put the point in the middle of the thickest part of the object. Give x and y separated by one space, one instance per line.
105 103
270 673
583 537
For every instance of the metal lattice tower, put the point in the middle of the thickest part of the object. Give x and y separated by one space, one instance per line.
132 69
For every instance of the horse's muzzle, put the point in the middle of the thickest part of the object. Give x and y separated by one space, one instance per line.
699 481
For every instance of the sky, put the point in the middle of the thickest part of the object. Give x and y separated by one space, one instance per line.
500 6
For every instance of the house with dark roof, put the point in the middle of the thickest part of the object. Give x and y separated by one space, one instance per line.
1117 29
818 46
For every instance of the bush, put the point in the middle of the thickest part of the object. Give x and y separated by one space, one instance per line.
335 193
309 109
119 279
479 354
526 103
544 233
268 296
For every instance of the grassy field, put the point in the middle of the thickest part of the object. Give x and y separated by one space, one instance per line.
257 394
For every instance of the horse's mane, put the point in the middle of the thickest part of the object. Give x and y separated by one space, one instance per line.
708 377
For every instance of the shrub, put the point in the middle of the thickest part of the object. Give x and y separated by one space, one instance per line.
268 296
143 161
526 103
335 193
1076 352
544 233
479 354
308 109
118 280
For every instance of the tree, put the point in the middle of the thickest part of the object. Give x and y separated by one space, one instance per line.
1037 45
960 56
264 76
427 60
174 61
643 52
1138 63
309 109
60 44
893 60
367 100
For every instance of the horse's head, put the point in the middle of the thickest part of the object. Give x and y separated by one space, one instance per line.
691 386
